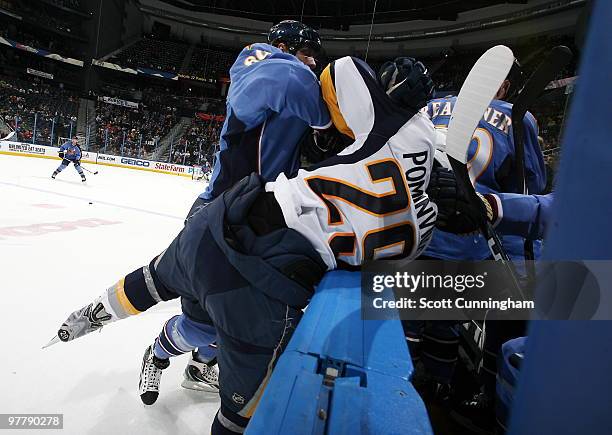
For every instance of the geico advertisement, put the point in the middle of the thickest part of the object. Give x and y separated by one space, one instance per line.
135 162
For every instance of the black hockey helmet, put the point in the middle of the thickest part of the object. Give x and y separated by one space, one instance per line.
296 35
407 82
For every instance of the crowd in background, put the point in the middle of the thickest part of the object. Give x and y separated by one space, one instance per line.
198 144
24 103
130 131
137 132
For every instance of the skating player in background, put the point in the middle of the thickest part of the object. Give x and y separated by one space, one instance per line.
70 152
252 257
273 100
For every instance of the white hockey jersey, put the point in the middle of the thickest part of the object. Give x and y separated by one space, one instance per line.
369 201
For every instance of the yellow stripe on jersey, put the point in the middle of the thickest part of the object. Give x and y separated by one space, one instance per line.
330 98
123 299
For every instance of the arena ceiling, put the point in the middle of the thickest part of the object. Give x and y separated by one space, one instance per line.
338 14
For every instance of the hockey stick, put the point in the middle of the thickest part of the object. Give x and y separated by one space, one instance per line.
546 71
479 88
91 172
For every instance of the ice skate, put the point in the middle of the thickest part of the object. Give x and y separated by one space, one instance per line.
150 376
88 319
201 376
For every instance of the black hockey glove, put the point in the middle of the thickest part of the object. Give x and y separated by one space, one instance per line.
455 214
61 154
319 145
407 82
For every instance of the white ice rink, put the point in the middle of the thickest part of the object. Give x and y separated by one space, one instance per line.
57 253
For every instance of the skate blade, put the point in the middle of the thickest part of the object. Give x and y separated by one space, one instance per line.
199 386
52 342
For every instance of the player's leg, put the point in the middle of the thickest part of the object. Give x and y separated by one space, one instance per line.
61 167
201 373
253 331
196 376
413 331
78 168
179 335
478 412
136 292
440 354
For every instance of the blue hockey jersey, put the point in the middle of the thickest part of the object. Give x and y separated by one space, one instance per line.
71 152
272 100
492 169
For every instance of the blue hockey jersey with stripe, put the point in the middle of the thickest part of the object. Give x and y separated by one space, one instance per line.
492 169
272 100
71 152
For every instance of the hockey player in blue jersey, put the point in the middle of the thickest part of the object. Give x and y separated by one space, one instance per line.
274 100
491 166
70 152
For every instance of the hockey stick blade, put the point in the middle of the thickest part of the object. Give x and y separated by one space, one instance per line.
91 172
479 88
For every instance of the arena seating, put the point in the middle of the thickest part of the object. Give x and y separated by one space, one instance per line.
21 100
160 106
198 144
154 54
120 129
207 64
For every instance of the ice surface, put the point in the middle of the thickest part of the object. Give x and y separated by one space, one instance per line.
47 271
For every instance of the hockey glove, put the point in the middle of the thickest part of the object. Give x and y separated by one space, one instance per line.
407 82
455 214
319 145
61 154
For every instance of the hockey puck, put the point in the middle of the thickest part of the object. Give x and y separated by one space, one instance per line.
90 203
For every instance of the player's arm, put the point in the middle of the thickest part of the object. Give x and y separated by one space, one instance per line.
511 213
527 216
303 99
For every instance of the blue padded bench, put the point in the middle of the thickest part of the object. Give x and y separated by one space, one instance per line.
340 374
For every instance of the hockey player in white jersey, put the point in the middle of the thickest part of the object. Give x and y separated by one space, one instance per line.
254 255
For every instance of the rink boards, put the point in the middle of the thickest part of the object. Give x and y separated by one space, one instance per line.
340 374
49 152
